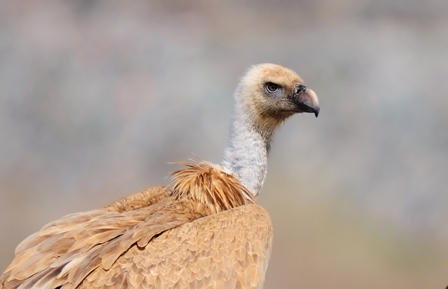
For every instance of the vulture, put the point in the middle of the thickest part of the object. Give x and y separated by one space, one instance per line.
205 230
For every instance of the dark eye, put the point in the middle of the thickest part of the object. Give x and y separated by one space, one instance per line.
271 87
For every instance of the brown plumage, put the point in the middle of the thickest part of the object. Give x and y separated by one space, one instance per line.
207 232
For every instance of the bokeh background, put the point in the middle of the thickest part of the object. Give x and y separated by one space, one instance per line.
96 97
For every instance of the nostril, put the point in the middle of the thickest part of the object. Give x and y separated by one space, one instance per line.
300 88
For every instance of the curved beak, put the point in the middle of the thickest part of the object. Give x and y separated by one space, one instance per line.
313 101
306 100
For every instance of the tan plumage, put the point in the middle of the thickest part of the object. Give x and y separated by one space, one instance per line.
207 232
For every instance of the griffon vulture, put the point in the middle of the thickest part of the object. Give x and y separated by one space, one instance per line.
205 232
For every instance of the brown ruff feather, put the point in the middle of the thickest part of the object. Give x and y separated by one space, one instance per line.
211 185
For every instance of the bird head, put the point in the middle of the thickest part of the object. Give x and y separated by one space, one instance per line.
271 93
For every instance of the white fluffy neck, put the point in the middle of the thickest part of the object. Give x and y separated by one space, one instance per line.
247 152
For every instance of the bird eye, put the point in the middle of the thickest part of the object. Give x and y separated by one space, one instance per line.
271 87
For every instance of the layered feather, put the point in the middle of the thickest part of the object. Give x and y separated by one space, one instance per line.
135 238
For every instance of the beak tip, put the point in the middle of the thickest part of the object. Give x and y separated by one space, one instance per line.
317 111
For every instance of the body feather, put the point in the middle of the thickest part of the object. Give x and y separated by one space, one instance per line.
126 242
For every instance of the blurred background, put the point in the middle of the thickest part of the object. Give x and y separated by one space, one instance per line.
96 97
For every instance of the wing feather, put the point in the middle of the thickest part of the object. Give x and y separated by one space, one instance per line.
188 256
76 239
